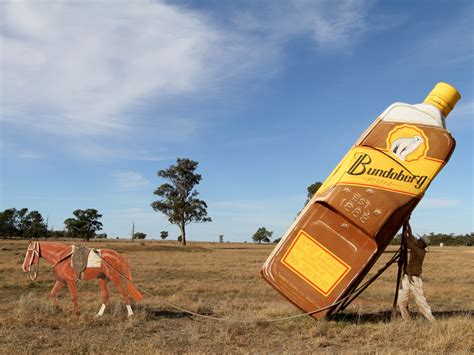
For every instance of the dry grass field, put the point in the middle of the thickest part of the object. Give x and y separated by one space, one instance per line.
222 280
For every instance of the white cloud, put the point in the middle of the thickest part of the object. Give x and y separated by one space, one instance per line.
461 116
90 150
457 51
28 154
331 24
130 180
18 151
335 26
77 67
87 68
464 108
439 203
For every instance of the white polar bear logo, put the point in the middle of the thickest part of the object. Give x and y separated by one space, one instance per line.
404 146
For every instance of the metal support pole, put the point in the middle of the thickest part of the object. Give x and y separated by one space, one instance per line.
353 295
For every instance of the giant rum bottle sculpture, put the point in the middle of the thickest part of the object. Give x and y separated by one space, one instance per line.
352 218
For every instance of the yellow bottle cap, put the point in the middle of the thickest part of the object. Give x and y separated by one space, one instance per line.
444 97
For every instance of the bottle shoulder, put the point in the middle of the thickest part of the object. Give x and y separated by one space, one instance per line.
417 114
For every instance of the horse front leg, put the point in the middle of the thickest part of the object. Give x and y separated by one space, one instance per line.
54 292
73 292
104 291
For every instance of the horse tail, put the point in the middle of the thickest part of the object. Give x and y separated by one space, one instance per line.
132 289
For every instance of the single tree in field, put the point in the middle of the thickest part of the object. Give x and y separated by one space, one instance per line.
178 199
139 235
262 235
164 235
221 238
85 224
312 189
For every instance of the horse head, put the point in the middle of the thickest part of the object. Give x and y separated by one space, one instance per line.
32 258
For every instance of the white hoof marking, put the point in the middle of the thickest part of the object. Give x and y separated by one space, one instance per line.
101 311
129 310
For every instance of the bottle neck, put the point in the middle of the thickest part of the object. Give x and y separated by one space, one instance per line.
444 97
434 112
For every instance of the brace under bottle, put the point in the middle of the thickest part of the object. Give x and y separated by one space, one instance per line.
352 218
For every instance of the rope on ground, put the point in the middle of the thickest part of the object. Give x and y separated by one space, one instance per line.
356 292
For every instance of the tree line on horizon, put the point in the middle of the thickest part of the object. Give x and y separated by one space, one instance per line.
24 224
437 239
177 199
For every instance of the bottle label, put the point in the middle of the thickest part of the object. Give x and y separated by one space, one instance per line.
402 166
315 264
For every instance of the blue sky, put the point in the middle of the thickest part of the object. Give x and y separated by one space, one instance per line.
267 96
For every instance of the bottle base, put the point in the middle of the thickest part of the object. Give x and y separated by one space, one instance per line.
319 260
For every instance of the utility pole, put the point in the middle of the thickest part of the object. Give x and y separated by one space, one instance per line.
133 231
47 231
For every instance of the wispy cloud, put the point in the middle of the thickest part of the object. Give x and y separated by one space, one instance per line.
91 150
86 72
465 108
28 154
130 180
67 70
462 114
439 203
335 26
332 25
453 38
18 151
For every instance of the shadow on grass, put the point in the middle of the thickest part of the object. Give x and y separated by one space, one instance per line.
153 313
161 313
450 314
357 318
386 316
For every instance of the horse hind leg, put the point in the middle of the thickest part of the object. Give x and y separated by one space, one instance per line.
119 285
104 291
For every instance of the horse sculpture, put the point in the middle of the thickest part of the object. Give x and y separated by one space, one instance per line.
104 265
